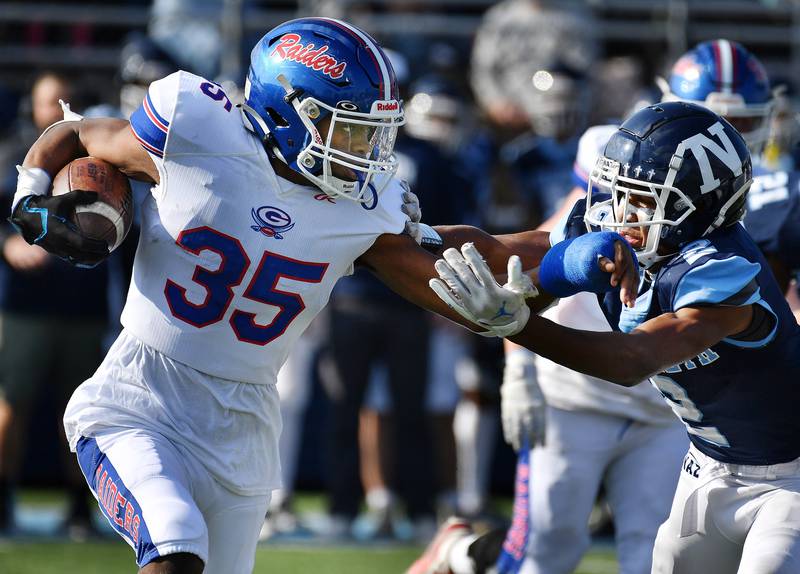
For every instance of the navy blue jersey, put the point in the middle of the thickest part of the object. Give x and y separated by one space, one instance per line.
738 398
773 215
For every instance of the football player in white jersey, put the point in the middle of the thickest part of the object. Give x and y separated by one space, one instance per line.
254 214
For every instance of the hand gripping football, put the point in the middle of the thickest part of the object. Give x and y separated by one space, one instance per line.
110 217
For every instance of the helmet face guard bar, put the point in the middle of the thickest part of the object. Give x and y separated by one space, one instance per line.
612 214
360 144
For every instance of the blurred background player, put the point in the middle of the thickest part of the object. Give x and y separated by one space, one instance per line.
435 152
595 435
54 317
726 78
534 95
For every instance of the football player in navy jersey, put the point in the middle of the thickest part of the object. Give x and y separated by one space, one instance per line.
710 327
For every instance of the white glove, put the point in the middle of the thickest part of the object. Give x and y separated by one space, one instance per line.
411 208
469 288
522 404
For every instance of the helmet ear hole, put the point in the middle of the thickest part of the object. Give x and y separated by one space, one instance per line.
279 120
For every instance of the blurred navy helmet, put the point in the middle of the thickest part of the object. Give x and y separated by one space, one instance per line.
676 168
142 61
435 110
323 97
724 77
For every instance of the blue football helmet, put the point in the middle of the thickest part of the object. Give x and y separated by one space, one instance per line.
322 96
675 171
724 77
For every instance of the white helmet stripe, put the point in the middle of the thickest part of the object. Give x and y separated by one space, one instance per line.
383 65
726 65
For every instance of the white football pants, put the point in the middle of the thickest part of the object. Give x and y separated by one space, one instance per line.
730 519
161 500
638 465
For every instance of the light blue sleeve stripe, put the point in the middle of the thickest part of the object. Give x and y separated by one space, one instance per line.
715 281
762 342
559 232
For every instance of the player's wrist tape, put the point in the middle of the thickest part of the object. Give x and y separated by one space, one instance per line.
431 240
30 181
571 266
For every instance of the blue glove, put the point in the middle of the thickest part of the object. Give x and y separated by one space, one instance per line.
571 266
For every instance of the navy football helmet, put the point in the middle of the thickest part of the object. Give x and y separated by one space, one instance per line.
724 77
323 97
676 172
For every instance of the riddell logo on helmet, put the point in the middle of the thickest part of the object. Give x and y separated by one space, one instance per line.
290 48
386 106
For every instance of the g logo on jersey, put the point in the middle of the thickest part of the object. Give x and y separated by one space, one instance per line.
271 221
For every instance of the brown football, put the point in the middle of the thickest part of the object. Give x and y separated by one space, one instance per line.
110 217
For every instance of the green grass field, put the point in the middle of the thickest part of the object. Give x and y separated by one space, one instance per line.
116 558
32 554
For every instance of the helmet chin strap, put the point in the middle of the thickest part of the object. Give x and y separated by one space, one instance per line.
249 115
723 212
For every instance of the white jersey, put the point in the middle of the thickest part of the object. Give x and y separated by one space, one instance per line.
567 389
234 262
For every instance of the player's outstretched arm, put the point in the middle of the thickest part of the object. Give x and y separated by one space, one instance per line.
406 268
622 358
629 358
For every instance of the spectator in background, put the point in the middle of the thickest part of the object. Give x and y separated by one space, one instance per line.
53 320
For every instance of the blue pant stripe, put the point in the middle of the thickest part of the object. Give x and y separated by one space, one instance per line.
119 506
